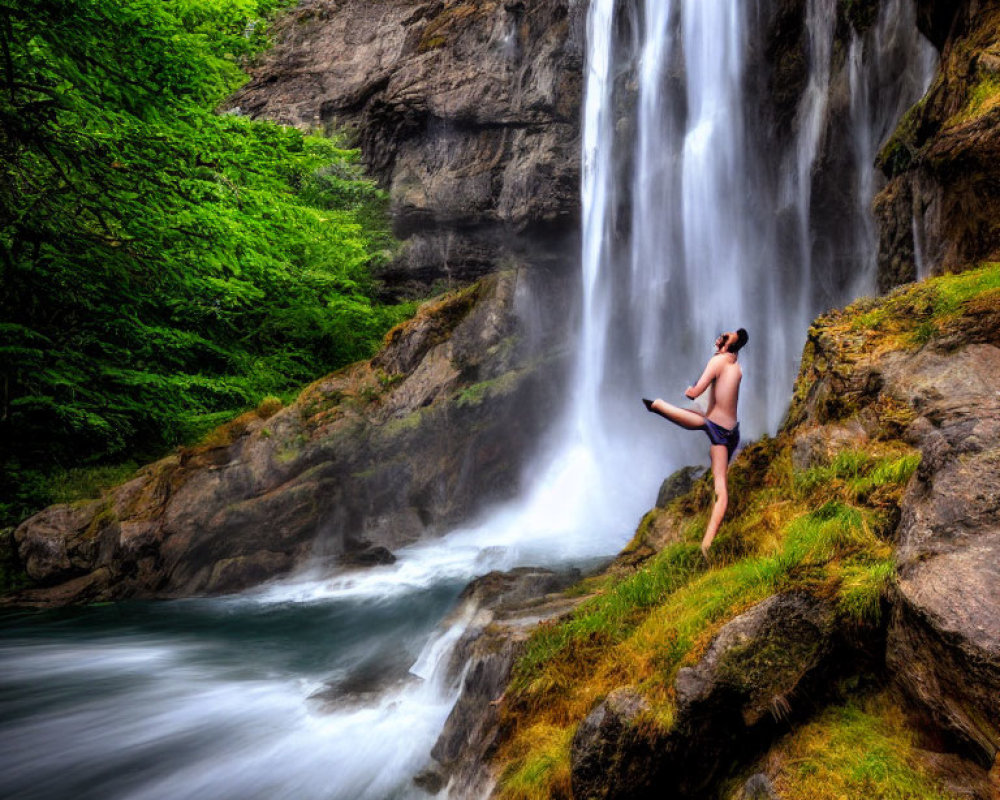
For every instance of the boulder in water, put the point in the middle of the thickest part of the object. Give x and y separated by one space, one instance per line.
370 556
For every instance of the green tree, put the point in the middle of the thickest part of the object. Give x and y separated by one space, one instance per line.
163 264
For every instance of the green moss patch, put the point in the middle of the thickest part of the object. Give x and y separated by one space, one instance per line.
436 33
863 748
477 393
909 317
88 483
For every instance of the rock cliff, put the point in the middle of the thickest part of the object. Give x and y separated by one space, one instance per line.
375 456
938 211
466 110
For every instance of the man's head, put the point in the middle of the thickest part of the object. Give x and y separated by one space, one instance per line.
732 341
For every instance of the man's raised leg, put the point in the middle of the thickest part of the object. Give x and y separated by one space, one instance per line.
691 420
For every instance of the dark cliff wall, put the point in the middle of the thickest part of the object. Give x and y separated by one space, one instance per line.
466 110
939 210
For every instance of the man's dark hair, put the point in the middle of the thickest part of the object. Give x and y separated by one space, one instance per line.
742 337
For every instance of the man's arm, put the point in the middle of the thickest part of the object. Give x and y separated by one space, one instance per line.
709 375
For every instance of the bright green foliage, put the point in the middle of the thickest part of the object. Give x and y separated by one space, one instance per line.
163 265
864 748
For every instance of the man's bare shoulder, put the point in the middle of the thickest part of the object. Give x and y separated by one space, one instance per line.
714 363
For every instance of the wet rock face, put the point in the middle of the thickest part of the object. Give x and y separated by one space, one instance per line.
504 608
466 110
937 212
677 484
944 636
366 460
936 18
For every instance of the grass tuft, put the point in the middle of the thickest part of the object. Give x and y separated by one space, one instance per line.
863 588
861 749
543 773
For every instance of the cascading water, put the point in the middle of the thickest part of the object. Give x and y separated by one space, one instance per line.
730 222
697 217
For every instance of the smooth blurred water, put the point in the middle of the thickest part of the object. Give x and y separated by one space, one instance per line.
217 698
318 686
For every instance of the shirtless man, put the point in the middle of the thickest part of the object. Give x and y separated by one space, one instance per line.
723 373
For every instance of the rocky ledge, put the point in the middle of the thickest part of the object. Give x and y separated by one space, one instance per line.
853 594
938 211
366 460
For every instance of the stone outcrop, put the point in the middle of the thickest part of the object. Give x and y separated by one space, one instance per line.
366 460
467 111
768 664
508 607
944 635
938 211
678 484
609 744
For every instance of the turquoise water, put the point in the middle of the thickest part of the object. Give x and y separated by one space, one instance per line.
237 697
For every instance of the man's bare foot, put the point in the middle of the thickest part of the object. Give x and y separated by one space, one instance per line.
499 700
704 554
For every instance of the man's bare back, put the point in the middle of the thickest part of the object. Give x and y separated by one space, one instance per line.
723 374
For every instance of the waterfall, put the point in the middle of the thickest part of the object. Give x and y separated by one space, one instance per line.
597 199
729 219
